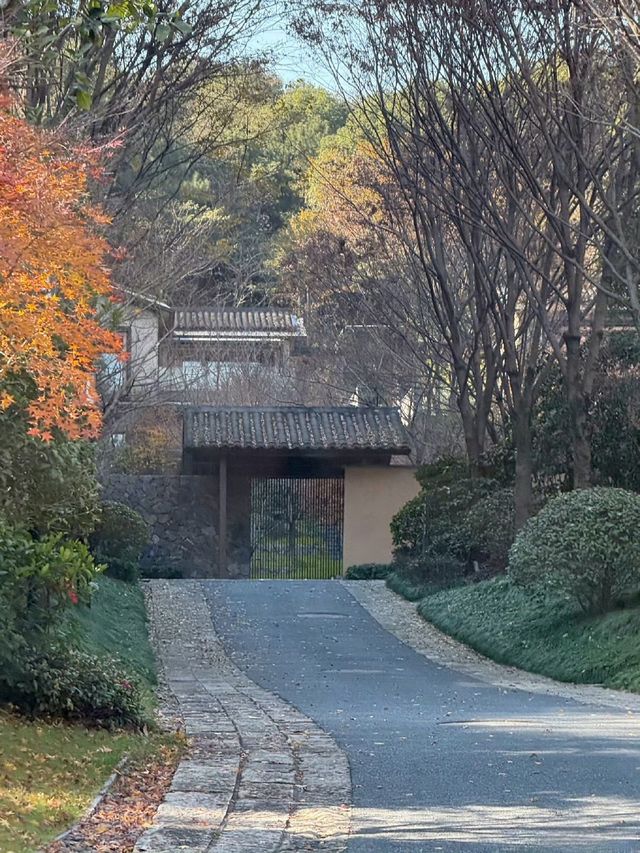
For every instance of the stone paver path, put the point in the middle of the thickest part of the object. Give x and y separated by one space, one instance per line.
259 776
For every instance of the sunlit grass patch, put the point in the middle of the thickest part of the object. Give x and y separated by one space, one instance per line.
49 774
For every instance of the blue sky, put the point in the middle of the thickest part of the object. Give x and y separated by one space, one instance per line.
293 60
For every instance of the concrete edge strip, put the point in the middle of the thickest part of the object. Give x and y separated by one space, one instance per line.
401 618
259 775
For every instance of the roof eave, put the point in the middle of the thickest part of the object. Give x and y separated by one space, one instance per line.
212 335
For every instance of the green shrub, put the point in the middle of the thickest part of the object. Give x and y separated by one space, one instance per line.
72 684
615 411
39 580
416 577
434 570
489 527
41 577
40 673
584 544
119 539
434 520
165 570
614 423
12 640
368 572
444 472
45 487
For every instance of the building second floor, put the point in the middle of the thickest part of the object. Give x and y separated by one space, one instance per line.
202 353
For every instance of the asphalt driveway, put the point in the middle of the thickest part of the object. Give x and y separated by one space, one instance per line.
439 761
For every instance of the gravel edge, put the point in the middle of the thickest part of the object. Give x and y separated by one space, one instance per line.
400 618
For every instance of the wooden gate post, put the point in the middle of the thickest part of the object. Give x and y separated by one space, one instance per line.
222 518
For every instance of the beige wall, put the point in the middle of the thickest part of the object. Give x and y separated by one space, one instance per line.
143 363
372 496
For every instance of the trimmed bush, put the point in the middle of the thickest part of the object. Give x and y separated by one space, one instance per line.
584 544
490 529
119 540
71 684
419 576
433 522
368 572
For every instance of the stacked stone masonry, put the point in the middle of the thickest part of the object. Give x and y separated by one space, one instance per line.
181 511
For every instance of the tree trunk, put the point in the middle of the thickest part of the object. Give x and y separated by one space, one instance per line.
581 446
471 439
472 445
577 401
523 486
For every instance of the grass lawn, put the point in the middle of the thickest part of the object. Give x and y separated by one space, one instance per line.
49 773
302 567
115 624
546 636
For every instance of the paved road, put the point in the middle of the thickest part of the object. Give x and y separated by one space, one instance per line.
439 761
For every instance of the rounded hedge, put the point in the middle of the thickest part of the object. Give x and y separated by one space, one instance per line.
585 544
64 682
490 527
433 521
120 539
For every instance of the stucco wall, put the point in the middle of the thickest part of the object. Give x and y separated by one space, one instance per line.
372 496
143 361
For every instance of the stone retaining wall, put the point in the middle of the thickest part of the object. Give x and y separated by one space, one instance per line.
181 511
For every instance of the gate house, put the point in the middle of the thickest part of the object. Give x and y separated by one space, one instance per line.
303 492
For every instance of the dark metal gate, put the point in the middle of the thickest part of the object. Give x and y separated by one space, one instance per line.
296 527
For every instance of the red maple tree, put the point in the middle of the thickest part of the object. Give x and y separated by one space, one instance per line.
53 276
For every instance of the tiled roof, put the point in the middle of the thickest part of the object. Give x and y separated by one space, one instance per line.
239 321
297 428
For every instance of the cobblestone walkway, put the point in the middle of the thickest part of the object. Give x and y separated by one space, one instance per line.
400 617
259 776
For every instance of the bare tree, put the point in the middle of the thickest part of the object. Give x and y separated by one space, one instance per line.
501 121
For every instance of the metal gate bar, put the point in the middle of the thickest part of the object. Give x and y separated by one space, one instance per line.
296 527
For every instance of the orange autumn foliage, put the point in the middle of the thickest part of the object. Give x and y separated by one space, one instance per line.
52 275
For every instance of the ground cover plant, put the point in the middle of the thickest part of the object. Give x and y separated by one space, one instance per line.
416 577
568 603
545 634
115 624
